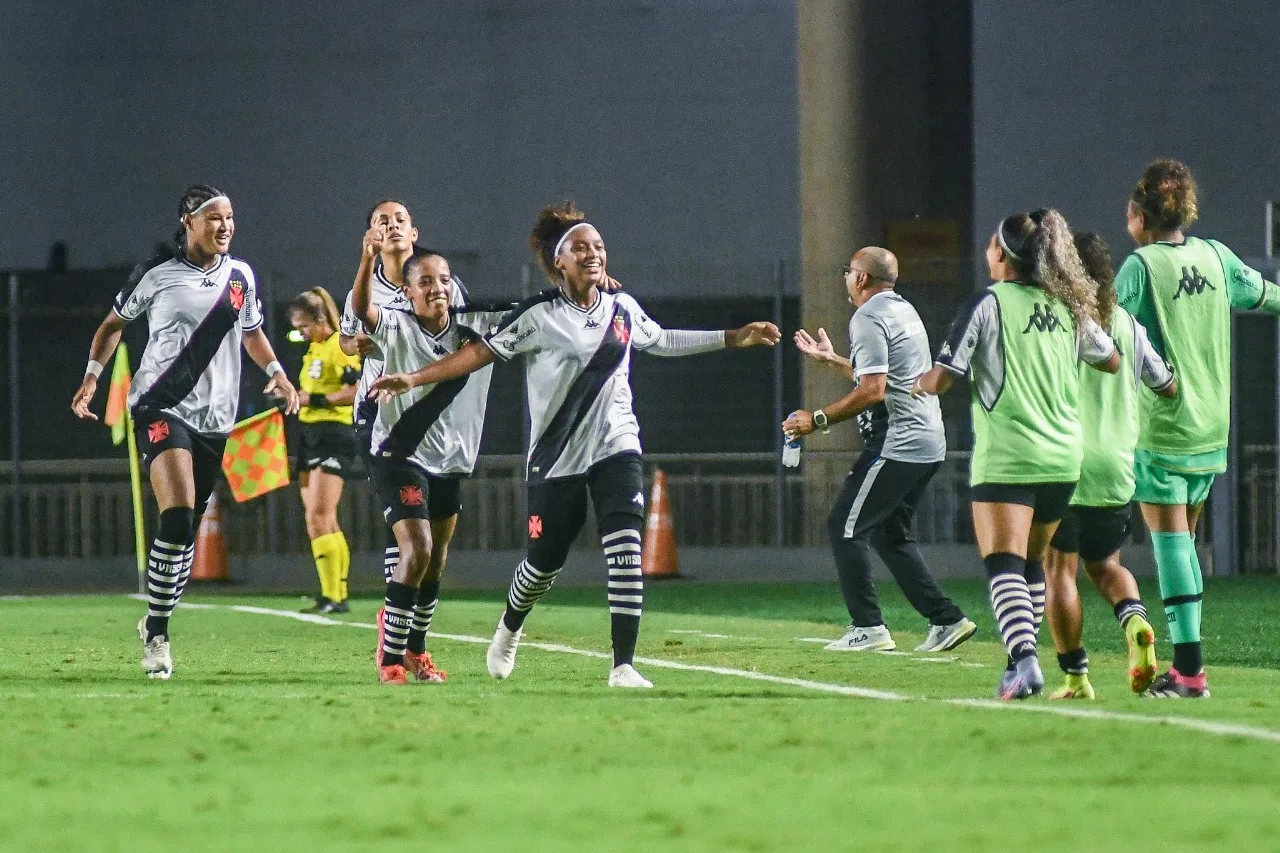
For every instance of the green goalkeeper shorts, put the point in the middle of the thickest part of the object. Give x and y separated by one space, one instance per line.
1158 484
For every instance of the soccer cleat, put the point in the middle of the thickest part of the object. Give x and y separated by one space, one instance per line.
393 674
1026 680
1175 685
944 638
156 660
423 668
873 639
1075 687
319 606
377 650
501 657
625 675
341 607
1142 652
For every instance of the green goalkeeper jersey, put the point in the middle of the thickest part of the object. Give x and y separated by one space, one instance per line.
1183 294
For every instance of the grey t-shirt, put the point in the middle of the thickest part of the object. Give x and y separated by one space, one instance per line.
886 336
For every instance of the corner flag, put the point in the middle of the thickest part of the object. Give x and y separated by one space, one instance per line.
256 459
118 396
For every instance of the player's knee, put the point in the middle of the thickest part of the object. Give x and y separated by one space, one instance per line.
177 525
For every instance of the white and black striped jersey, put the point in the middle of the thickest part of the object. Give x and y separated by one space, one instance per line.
384 292
436 427
197 319
577 374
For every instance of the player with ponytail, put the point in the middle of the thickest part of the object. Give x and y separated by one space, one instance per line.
327 448
1020 341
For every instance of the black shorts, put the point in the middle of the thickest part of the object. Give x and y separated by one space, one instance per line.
558 508
406 491
1093 532
366 414
329 447
158 431
1049 500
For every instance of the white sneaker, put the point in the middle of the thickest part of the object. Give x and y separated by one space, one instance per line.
944 638
626 676
874 639
501 656
156 660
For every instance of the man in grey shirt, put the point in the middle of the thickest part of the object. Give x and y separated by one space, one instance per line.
903 447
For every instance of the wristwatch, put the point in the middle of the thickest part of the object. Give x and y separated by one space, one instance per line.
820 421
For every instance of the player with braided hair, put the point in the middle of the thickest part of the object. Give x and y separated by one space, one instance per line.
1021 340
201 305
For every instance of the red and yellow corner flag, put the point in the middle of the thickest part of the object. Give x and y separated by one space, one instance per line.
256 459
117 415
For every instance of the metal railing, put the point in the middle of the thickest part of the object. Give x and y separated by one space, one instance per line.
81 508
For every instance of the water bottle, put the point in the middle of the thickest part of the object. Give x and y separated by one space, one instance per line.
791 452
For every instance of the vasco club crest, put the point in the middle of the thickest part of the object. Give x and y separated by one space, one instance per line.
620 328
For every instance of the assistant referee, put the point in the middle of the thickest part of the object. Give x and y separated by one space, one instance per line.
903 447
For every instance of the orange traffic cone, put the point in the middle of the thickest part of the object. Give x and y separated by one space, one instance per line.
210 562
658 560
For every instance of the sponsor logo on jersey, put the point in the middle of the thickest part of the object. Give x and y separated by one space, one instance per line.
1192 283
208 282
1042 319
535 527
439 349
158 432
620 329
510 345
591 324
945 352
411 495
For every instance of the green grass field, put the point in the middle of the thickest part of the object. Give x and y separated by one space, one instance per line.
274 735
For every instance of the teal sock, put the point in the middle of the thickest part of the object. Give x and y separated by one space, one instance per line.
1181 584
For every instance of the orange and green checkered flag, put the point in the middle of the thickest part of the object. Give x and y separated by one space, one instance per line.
256 459
117 416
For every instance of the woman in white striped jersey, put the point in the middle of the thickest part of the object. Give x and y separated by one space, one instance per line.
201 305
584 438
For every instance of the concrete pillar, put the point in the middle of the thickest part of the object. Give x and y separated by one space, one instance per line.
833 216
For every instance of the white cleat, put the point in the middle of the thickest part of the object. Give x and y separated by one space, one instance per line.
156 660
874 639
501 656
944 638
625 675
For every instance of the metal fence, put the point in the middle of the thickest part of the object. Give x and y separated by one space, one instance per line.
81 509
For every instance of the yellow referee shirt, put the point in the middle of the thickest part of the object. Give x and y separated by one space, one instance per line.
322 369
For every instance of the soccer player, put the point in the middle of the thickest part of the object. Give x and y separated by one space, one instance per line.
903 446
1020 339
1098 520
201 304
584 439
327 450
1182 289
423 443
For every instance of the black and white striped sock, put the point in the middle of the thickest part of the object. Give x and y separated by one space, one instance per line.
164 573
626 590
428 598
390 559
1035 586
1074 662
1011 603
397 620
188 557
528 585
1128 607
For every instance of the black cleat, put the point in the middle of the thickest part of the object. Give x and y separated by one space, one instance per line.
319 606
1175 685
336 607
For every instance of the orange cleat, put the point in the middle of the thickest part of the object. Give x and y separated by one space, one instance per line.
393 674
423 668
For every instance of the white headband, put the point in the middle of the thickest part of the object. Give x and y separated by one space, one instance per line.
207 203
565 236
1003 245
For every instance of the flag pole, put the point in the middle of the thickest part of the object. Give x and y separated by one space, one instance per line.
135 487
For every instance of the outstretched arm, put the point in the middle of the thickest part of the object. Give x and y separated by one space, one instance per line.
822 351
100 352
469 359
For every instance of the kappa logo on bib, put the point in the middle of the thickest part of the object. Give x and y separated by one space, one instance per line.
1043 320
1192 283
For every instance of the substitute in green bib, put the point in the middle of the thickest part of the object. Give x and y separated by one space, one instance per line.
1098 520
1020 341
1183 289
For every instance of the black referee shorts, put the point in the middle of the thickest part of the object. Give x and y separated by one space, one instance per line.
158 431
330 447
407 491
1093 532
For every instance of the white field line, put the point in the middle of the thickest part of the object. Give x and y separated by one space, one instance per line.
1207 726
